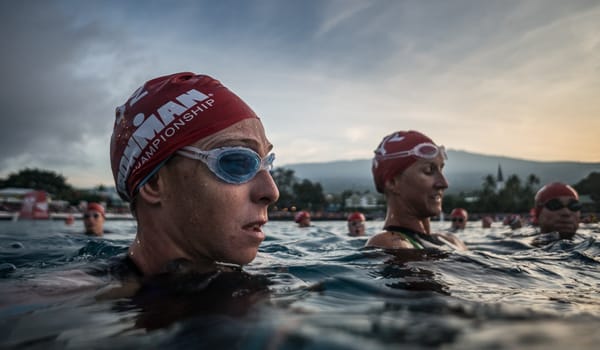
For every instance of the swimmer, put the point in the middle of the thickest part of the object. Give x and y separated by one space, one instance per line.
356 224
487 221
407 169
69 220
93 219
302 218
515 222
459 217
193 160
557 211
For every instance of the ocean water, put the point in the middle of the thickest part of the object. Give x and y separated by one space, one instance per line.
309 288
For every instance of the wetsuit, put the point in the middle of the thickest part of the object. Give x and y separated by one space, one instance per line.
419 240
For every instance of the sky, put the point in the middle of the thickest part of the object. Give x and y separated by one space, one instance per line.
329 78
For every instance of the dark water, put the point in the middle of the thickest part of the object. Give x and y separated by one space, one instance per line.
311 288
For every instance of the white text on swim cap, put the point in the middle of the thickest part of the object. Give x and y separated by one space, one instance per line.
159 126
395 137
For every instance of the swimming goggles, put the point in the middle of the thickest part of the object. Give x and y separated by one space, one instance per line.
234 165
555 204
425 150
356 223
91 215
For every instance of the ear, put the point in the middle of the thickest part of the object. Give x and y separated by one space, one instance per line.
391 185
150 192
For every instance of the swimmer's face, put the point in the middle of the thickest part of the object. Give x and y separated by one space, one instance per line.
93 222
304 222
356 228
458 222
561 220
213 220
420 187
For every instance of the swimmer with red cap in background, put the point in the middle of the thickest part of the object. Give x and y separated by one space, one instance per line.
407 169
458 217
302 218
93 219
356 224
487 221
193 160
557 212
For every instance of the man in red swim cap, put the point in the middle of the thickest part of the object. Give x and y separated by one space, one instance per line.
356 224
557 209
459 217
407 169
193 159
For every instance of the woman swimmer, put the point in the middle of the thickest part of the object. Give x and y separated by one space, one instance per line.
407 169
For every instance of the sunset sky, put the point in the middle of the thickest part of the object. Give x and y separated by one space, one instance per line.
329 79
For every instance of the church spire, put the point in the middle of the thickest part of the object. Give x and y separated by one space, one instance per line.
499 180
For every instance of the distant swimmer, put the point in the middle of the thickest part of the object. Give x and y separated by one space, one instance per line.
302 218
487 221
356 224
69 220
458 217
514 221
407 169
93 219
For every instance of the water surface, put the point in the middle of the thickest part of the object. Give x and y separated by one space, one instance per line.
309 288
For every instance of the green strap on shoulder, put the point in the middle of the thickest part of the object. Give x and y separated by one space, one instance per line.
410 239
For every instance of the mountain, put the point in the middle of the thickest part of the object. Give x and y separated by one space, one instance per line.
465 171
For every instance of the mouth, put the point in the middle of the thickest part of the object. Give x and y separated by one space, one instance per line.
255 229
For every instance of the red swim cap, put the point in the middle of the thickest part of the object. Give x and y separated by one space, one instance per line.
356 216
96 207
551 191
301 216
458 213
384 169
162 116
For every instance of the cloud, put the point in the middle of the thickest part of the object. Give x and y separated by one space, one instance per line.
329 78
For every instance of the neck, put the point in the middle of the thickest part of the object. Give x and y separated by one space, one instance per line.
415 224
154 252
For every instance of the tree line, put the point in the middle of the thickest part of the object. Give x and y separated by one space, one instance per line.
53 183
516 195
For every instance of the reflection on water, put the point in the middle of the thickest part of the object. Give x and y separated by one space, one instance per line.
309 288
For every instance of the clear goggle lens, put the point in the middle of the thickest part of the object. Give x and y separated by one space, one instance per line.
234 165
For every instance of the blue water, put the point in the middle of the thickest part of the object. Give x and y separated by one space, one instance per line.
312 288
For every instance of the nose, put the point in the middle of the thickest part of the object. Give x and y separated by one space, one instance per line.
265 190
441 181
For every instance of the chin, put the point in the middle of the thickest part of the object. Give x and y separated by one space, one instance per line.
245 258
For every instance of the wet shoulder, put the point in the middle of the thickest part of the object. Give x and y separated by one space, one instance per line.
389 240
451 240
405 238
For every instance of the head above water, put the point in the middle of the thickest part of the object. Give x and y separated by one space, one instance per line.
398 151
356 224
301 216
551 191
459 217
458 213
161 117
93 219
